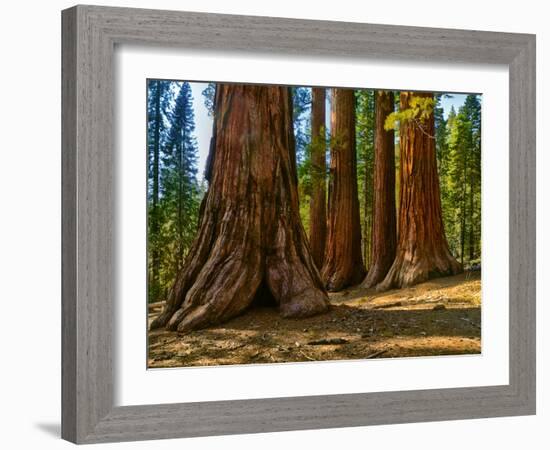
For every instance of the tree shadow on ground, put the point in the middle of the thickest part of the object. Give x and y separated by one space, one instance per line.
440 317
348 318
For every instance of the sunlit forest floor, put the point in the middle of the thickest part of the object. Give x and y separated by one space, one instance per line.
439 317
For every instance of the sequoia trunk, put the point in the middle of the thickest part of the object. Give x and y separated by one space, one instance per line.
422 249
343 264
317 211
384 234
250 235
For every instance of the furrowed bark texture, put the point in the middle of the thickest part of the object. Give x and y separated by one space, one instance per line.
384 232
422 249
343 262
318 210
250 234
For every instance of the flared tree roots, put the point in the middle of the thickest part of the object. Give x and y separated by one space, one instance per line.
250 235
422 249
384 233
343 262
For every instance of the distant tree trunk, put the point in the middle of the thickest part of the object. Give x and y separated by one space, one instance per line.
367 220
422 249
384 235
317 211
250 237
364 131
343 264
463 210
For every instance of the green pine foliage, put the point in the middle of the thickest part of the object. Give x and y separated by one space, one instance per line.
442 127
160 95
458 150
208 95
173 215
301 116
301 106
174 192
420 109
441 146
459 162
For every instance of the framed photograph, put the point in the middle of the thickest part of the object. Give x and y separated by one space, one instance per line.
268 230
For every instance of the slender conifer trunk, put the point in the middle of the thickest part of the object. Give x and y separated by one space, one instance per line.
343 262
384 234
317 212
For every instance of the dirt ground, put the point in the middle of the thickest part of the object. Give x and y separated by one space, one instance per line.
440 317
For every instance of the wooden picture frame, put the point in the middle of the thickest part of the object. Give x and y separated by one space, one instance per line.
90 34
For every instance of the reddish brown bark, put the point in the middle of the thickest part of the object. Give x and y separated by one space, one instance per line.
384 234
317 209
250 236
422 249
343 264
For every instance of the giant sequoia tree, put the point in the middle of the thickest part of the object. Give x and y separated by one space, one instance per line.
384 235
343 262
422 250
317 212
250 238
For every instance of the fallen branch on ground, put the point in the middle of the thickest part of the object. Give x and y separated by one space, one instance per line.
375 354
330 341
308 357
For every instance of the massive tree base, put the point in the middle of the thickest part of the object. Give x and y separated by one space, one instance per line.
458 333
250 235
375 276
409 269
422 249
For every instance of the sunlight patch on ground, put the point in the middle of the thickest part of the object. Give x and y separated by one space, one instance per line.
440 317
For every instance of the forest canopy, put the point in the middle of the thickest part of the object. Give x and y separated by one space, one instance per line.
179 130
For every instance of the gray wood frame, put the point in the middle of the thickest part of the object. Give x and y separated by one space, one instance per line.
89 36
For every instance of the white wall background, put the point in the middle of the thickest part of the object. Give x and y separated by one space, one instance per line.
30 236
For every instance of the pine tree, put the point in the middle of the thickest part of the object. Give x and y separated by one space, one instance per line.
159 96
180 186
461 180
441 147
301 124
464 179
472 110
458 177
208 94
442 152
